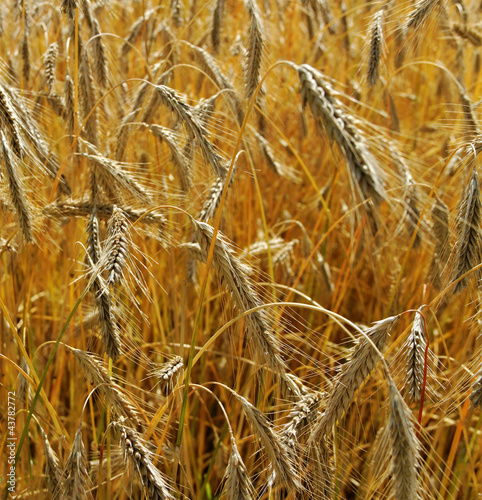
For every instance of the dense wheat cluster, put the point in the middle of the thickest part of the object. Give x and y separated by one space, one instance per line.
240 249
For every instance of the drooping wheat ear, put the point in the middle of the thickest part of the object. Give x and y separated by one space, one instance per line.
103 299
327 15
69 103
376 47
68 8
51 64
75 471
476 395
283 471
184 114
238 484
471 130
116 181
97 374
273 163
353 373
317 92
176 12
416 345
104 211
117 247
404 447
234 275
9 121
25 50
412 214
254 51
133 35
16 191
177 156
321 478
440 228
156 486
56 103
54 474
209 65
467 33
30 129
167 373
467 251
100 57
218 16
214 198
302 414
421 12
87 99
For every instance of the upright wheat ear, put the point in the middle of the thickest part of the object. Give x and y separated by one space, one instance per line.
404 448
468 247
376 45
254 51
416 344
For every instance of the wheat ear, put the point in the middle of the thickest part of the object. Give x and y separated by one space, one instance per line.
97 374
283 470
235 277
254 51
75 471
468 247
238 484
16 191
316 91
416 344
51 64
363 359
156 487
376 46
404 448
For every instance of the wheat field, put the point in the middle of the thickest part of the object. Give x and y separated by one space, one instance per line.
240 249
